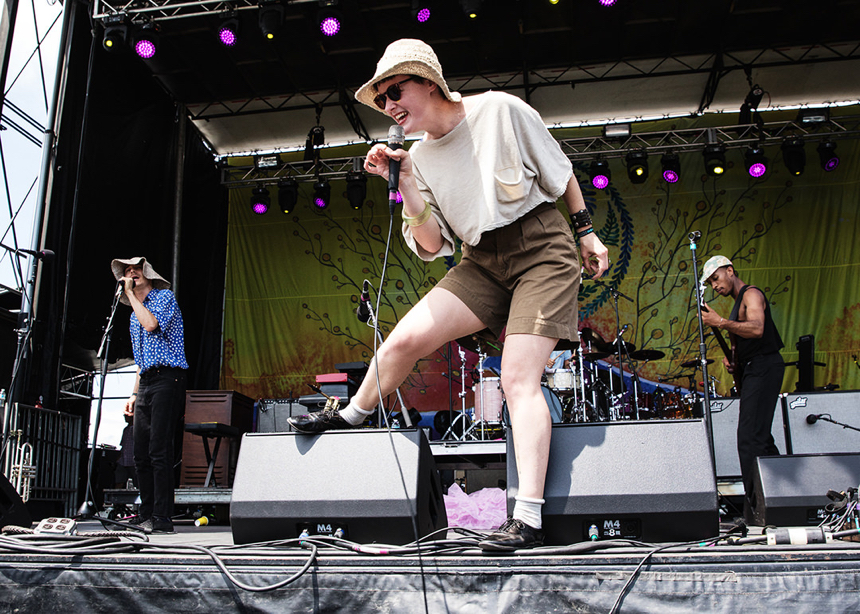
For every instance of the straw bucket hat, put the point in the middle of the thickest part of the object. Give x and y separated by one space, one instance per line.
713 264
118 266
407 56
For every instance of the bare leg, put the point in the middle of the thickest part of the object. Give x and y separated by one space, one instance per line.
523 361
437 318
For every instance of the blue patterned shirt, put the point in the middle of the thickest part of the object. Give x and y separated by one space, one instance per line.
165 347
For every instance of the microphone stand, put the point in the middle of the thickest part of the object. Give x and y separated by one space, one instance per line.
619 341
703 349
88 508
827 418
371 321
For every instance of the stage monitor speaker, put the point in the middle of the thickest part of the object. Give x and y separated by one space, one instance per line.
366 483
651 481
809 427
792 490
13 512
724 420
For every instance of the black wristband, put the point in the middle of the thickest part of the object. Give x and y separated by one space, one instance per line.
579 235
581 219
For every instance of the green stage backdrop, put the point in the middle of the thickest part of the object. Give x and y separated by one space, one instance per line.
293 280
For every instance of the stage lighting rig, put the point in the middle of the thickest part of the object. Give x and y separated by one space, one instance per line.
671 164
260 200
322 194
228 30
329 19
271 18
637 166
749 109
116 32
794 155
288 194
827 155
471 8
145 41
600 174
755 162
356 189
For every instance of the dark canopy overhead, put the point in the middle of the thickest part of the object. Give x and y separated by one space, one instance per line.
636 58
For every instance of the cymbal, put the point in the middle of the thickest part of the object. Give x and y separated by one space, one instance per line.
475 343
613 347
566 344
647 355
595 355
592 336
695 363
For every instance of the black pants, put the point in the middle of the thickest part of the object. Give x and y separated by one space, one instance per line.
759 393
159 412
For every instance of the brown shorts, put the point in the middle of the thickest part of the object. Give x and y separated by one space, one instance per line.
525 276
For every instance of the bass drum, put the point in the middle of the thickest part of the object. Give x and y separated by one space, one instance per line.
552 401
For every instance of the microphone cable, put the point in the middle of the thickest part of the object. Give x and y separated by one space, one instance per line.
413 514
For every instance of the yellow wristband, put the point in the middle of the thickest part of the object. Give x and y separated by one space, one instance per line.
419 219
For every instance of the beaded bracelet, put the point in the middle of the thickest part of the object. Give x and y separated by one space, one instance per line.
579 235
419 219
580 219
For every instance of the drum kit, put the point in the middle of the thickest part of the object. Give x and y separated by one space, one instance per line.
582 391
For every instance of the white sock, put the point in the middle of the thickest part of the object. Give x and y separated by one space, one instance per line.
353 414
529 511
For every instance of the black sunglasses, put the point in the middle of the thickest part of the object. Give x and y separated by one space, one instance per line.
392 92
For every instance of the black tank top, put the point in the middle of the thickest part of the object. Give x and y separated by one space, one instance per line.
768 343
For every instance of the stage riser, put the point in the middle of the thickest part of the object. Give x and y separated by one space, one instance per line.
792 490
288 482
652 481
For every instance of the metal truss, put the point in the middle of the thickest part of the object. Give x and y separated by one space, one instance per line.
583 148
167 10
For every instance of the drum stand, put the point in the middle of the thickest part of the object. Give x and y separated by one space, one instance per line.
617 401
461 415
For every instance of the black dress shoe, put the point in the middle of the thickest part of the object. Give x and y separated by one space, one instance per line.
512 535
317 422
158 524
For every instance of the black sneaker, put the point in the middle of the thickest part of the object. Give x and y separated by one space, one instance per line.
159 524
136 522
319 421
512 535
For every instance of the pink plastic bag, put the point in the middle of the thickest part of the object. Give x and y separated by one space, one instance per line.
483 510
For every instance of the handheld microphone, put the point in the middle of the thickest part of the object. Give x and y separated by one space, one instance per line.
120 288
812 418
395 141
363 309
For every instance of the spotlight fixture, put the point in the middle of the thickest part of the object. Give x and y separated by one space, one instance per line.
600 174
606 2
322 194
637 166
228 30
755 162
616 131
671 164
827 155
471 7
421 11
330 22
260 200
288 194
146 41
749 109
116 31
813 116
271 18
356 189
793 155
715 159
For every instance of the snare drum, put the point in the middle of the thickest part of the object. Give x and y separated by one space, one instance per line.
489 400
563 380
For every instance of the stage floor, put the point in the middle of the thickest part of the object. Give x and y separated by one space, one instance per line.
188 572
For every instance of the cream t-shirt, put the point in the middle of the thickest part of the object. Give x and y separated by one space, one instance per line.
495 166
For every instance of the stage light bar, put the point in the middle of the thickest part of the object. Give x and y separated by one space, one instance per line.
813 116
260 200
827 155
671 164
616 131
637 166
794 155
600 174
267 161
755 162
